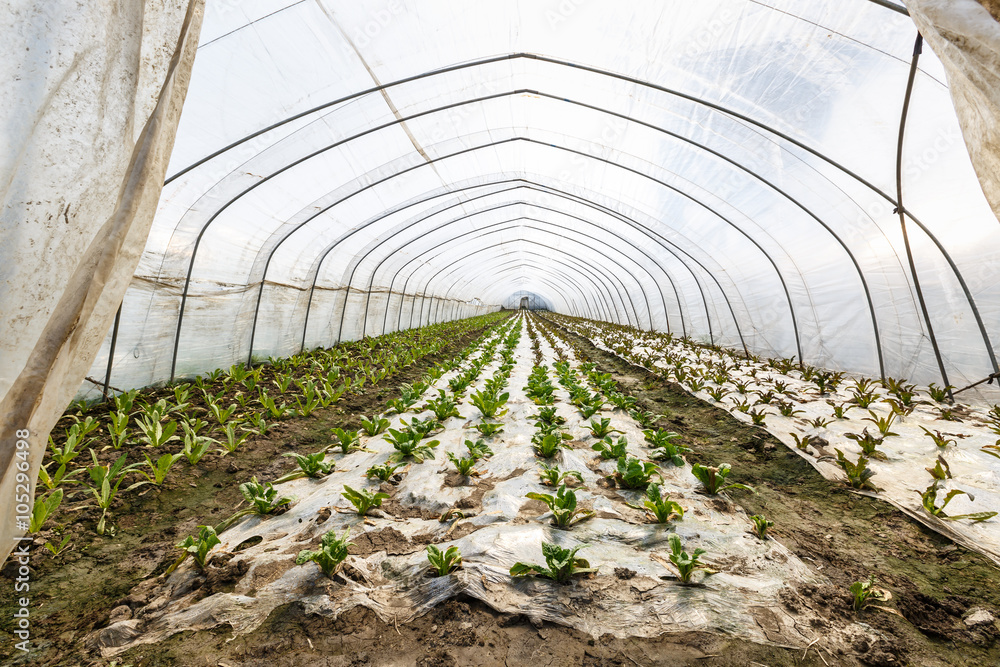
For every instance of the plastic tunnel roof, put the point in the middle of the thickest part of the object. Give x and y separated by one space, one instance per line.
723 170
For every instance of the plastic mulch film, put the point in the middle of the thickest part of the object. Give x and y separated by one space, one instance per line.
389 573
910 453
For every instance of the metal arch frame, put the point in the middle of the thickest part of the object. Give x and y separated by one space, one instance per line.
656 236
631 170
599 272
462 103
585 221
691 98
861 275
545 208
504 272
505 225
540 266
531 185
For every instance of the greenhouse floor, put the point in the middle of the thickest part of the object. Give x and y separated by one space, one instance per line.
789 596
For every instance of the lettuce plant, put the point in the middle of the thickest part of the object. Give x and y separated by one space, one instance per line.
197 547
489 404
864 592
377 424
364 500
382 472
443 562
563 506
332 552
608 449
548 445
858 474
868 443
44 507
310 465
940 440
664 447
464 464
929 501
686 564
553 476
105 481
760 525
659 505
714 479
560 564
632 473
160 468
601 428
489 429
478 449
348 441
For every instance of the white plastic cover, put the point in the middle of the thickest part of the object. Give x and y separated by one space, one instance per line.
92 93
724 169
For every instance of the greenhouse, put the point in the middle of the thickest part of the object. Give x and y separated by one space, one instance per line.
565 332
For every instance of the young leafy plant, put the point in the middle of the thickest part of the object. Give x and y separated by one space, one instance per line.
940 440
464 465
160 468
858 474
443 562
659 506
44 507
233 440
310 465
760 525
409 444
443 406
348 441
560 564
489 404
198 547
563 506
548 445
929 501
864 593
377 424
664 447
332 552
686 564
553 476
478 449
868 443
364 500
601 428
105 483
488 429
714 479
383 472
263 498
608 449
883 423
632 473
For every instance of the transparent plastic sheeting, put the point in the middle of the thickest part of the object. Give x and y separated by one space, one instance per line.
910 454
722 169
741 600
